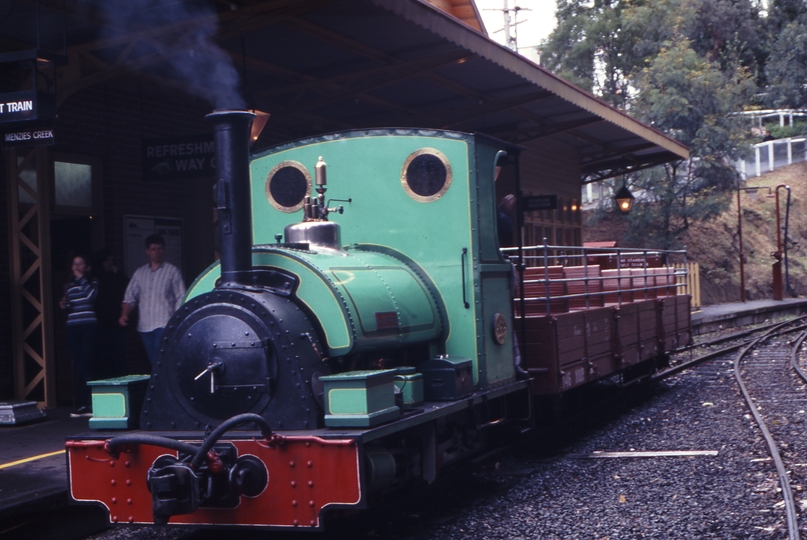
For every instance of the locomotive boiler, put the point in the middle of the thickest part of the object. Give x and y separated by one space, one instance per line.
280 389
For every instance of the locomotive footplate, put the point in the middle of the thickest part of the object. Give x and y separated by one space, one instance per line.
298 476
284 482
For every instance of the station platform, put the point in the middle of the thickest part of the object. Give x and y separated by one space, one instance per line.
33 478
33 471
32 454
718 316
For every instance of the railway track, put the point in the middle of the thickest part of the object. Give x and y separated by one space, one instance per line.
767 352
769 368
777 399
701 351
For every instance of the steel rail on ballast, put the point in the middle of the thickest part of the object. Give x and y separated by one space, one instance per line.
725 350
794 361
784 479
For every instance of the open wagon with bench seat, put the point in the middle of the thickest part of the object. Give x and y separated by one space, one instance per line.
586 314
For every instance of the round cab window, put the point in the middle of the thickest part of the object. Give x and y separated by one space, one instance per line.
287 186
426 175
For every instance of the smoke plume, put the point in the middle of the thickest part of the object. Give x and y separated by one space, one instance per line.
181 33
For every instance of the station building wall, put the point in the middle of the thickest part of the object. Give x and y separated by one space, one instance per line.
105 125
549 167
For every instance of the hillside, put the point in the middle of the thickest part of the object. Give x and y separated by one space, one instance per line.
714 244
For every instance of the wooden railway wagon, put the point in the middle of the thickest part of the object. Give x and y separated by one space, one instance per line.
583 323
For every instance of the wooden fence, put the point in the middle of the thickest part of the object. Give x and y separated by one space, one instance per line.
691 282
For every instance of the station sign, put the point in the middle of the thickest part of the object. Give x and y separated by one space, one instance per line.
532 203
27 106
26 119
19 137
608 261
170 158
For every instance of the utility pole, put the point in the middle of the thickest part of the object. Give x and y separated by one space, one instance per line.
511 41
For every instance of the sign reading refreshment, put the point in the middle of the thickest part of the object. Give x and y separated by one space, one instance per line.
190 156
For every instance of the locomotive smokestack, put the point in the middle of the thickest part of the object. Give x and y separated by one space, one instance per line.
232 132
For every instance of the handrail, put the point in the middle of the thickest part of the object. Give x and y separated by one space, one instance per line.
601 293
674 272
614 250
604 272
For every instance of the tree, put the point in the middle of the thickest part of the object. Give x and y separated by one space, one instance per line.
592 49
601 44
786 69
783 12
682 66
692 99
568 51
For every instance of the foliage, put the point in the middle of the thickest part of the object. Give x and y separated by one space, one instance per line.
786 69
682 66
692 99
783 12
599 44
723 31
798 129
592 48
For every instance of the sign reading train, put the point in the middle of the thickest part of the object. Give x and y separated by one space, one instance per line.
26 106
190 156
539 202
17 106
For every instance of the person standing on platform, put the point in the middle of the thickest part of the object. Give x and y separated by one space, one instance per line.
156 290
79 302
112 282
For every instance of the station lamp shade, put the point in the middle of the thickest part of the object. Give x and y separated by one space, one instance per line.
257 124
624 199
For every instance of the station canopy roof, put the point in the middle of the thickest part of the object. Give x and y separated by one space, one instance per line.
327 65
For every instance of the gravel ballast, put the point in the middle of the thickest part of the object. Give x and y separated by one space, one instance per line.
732 495
561 493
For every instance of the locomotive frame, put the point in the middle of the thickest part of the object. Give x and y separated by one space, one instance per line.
238 426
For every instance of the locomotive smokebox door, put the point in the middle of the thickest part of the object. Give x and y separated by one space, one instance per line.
222 366
447 378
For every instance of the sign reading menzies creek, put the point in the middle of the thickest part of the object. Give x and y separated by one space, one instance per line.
190 156
40 136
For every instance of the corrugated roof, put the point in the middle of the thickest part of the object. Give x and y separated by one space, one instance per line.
328 65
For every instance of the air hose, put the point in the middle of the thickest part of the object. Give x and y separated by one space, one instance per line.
198 452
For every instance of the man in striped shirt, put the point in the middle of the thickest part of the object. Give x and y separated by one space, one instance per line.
156 290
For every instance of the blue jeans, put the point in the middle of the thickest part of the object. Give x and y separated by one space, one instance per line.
151 340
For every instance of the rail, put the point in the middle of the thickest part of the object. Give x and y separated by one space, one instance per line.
558 279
